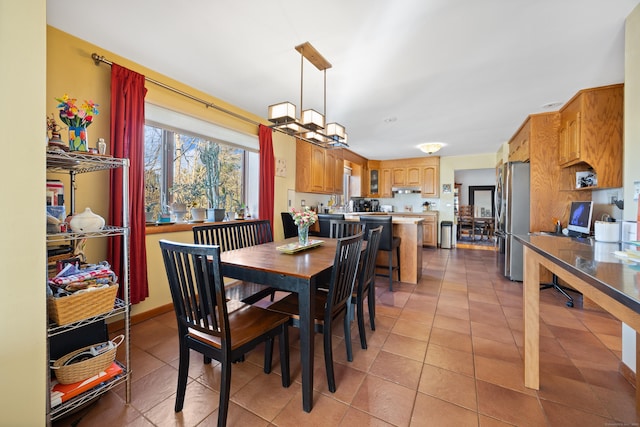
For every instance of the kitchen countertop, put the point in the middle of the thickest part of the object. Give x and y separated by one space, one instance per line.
394 219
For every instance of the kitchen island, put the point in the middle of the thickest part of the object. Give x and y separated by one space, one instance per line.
410 231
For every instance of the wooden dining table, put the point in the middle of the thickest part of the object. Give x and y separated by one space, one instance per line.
295 272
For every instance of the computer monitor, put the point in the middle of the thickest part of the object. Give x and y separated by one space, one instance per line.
580 218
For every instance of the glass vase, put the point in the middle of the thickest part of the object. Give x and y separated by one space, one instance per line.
303 235
78 138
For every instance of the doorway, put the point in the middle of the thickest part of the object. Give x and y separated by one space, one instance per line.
481 195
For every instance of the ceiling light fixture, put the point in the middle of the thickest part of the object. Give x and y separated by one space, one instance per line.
431 147
311 125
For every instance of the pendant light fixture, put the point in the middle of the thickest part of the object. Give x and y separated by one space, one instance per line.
310 126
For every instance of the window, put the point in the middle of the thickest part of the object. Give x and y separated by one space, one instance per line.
185 168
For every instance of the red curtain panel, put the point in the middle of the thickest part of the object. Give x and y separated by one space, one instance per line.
127 141
267 174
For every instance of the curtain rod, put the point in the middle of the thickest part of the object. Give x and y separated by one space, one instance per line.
99 58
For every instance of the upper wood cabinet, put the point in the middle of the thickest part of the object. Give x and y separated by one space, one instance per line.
519 144
536 141
385 182
422 172
374 179
590 136
431 181
398 176
318 170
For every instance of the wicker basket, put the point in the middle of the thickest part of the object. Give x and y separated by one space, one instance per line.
74 372
69 309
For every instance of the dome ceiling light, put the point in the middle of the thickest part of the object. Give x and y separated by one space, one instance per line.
431 147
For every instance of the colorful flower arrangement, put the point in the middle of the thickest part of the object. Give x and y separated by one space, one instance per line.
72 115
305 217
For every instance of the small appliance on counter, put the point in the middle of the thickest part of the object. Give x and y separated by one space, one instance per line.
386 208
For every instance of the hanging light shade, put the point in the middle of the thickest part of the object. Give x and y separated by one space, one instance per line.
430 147
282 112
336 132
311 125
311 119
315 137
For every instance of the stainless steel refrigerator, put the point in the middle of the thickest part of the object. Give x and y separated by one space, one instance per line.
512 216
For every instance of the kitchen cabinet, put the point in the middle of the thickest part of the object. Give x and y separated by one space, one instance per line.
375 179
385 183
590 136
406 176
430 230
519 146
537 142
398 176
318 170
431 181
73 163
420 172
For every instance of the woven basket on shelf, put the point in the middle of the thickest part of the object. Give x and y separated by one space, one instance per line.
71 308
78 371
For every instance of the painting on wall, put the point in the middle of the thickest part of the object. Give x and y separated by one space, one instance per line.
446 188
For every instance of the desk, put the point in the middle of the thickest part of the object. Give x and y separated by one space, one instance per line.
298 273
588 267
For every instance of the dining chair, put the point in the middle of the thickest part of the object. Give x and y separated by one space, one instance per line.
388 243
366 284
209 324
324 221
236 235
332 303
339 228
466 222
289 226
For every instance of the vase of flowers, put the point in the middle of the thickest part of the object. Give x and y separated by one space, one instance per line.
303 219
77 120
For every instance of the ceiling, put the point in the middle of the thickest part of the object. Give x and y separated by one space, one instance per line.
405 72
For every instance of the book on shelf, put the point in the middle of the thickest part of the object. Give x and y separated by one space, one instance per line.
62 392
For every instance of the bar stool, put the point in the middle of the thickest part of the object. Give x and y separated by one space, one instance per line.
388 243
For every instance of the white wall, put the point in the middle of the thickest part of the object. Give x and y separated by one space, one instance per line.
631 171
473 177
22 249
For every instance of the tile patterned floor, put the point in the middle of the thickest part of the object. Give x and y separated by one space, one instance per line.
446 352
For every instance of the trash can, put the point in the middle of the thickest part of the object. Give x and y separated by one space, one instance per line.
446 234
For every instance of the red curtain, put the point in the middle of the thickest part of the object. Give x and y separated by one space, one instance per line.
127 141
267 174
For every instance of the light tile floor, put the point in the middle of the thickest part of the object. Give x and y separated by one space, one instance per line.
445 352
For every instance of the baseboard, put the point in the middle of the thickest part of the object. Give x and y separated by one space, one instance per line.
628 374
140 317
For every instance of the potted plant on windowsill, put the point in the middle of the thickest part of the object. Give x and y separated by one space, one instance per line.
210 158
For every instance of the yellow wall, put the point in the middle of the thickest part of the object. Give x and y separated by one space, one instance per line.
23 366
88 81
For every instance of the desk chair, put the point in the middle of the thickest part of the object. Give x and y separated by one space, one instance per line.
212 326
388 243
562 289
332 303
